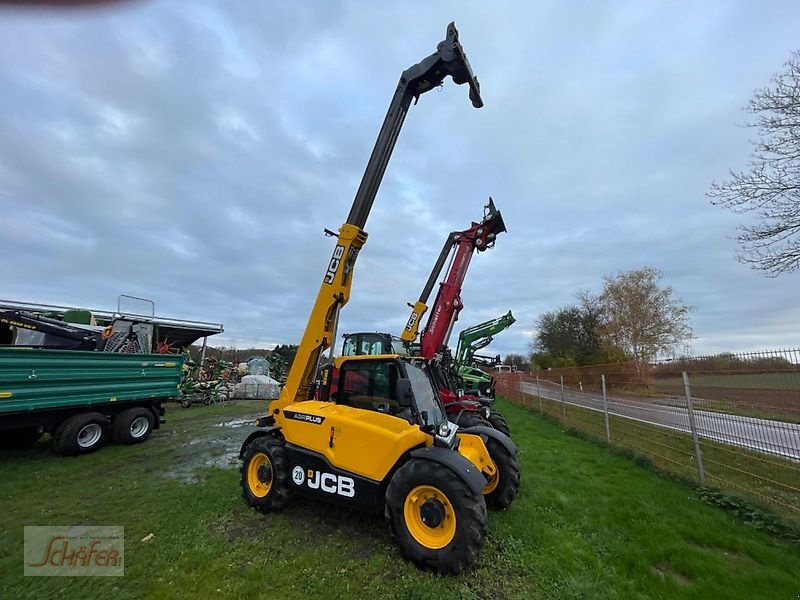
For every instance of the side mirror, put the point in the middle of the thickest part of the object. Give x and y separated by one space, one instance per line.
404 394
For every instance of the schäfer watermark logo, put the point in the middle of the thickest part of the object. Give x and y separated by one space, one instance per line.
97 551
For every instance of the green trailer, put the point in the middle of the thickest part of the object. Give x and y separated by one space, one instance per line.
83 398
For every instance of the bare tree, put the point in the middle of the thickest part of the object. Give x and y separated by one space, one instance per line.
642 318
770 186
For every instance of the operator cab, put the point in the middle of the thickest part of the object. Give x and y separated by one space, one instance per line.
387 384
371 344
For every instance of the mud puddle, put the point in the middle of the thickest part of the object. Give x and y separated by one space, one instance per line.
217 446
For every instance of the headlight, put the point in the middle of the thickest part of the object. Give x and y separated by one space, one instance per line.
443 429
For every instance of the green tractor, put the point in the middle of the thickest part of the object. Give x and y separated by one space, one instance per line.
473 379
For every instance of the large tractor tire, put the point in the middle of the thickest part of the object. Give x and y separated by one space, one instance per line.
18 439
80 434
435 518
471 419
498 421
132 426
501 489
265 474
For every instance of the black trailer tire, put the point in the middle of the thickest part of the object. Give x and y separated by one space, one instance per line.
132 426
435 518
498 421
470 418
17 439
265 474
501 491
80 434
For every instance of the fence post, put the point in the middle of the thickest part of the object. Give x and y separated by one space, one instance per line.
539 394
563 404
605 409
521 391
698 453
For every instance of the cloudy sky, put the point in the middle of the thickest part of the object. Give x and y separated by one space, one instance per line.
193 152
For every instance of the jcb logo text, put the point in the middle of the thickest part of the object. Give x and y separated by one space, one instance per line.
333 266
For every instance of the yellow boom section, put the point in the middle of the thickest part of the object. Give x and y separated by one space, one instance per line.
411 330
333 294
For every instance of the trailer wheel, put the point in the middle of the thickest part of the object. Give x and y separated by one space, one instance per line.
132 426
435 517
80 434
20 438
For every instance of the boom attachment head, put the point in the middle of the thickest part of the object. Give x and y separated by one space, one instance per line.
449 59
492 224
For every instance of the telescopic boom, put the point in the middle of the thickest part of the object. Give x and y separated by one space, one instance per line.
448 60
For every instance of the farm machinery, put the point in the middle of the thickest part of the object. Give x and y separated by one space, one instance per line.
460 246
378 438
472 339
87 377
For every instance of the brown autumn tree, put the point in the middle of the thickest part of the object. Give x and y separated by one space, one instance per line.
770 186
641 317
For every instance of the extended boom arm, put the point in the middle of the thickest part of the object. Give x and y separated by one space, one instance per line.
480 236
449 59
479 336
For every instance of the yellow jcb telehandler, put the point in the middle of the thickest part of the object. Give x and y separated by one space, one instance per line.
378 437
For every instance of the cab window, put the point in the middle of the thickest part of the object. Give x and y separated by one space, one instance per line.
369 385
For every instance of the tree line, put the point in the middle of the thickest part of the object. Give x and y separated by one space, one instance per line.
633 318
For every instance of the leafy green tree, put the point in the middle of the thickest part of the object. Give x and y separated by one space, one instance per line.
569 335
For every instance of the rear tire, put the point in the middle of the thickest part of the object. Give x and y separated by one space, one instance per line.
501 491
80 434
132 426
499 422
434 517
17 439
265 474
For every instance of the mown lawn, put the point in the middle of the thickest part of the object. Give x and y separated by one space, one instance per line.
587 523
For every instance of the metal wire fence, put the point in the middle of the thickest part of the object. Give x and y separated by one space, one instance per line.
731 423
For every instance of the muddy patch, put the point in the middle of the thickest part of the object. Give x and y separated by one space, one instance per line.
235 423
235 529
217 447
665 572
728 553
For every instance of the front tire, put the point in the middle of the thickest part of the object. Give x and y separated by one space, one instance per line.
499 422
471 419
434 517
265 474
503 487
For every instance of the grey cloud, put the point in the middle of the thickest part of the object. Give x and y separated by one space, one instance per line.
193 154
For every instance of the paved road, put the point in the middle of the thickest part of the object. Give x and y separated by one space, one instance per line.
764 435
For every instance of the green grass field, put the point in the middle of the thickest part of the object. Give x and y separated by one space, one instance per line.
771 482
587 524
785 380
